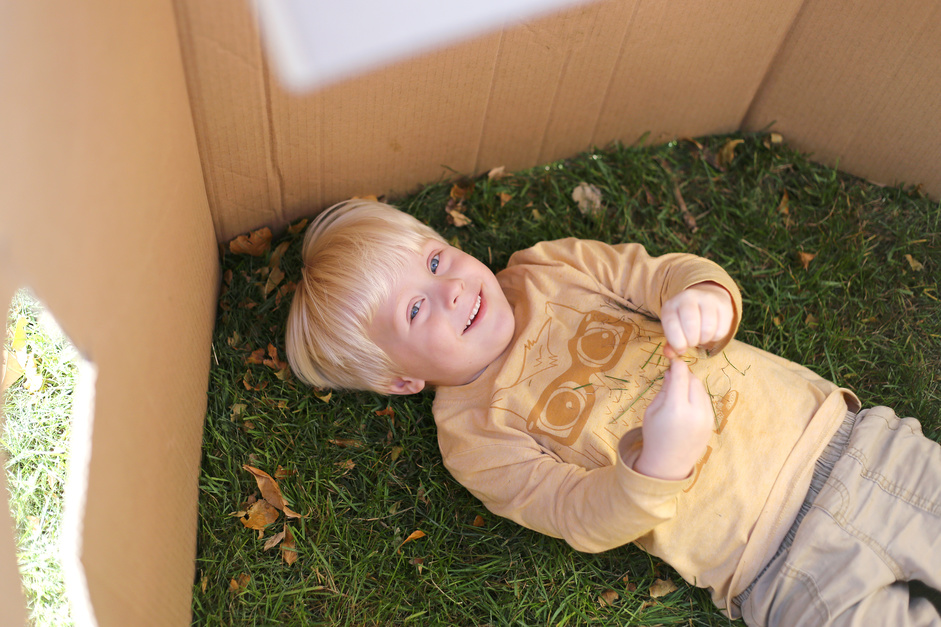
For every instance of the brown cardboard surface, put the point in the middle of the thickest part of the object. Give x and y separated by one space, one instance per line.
614 70
861 89
104 216
269 156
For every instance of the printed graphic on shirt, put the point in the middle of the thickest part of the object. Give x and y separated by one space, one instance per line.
573 368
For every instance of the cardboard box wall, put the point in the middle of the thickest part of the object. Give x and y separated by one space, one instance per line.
135 136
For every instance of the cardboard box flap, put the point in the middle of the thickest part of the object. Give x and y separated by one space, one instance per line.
104 216
539 91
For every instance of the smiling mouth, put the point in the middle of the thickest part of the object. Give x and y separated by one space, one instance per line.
473 313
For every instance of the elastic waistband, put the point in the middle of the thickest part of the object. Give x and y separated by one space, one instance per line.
822 469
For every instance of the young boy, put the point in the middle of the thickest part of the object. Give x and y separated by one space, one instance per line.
596 394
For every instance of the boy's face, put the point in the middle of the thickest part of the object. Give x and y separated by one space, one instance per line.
444 321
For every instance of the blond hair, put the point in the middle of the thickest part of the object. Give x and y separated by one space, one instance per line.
353 253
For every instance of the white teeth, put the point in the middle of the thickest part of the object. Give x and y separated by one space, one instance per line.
473 313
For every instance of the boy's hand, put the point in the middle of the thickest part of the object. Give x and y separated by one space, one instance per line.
699 315
677 426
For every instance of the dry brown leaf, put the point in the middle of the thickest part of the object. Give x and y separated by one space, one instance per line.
497 173
478 521
727 152
688 218
257 357
415 535
805 258
297 227
288 548
457 218
395 453
418 562
662 587
608 597
325 397
342 443
783 205
273 362
462 189
240 583
588 198
773 139
388 411
259 515
505 198
275 261
274 540
811 321
274 280
255 243
270 491
281 473
916 265
247 382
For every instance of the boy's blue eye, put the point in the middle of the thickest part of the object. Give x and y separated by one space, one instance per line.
414 311
434 264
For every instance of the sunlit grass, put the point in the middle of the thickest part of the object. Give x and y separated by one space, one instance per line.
35 439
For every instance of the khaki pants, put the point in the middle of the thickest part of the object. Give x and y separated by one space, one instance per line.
874 526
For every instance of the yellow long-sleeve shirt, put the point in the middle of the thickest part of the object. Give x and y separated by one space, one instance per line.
548 433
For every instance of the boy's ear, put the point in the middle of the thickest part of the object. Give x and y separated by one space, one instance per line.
406 385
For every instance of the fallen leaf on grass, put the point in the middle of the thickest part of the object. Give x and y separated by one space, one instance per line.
418 563
479 521
274 540
688 218
588 198
288 548
662 587
462 189
297 227
274 279
505 198
773 139
608 597
805 259
270 491
259 515
388 411
240 583
497 173
324 397
457 217
255 243
916 265
727 152
415 535
346 443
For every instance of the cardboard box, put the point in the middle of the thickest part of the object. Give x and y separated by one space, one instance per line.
139 135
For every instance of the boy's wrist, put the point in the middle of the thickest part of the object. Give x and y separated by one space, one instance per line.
661 466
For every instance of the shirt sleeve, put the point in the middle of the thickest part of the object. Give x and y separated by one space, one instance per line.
629 272
593 510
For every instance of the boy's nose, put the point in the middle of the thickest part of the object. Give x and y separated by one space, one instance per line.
452 290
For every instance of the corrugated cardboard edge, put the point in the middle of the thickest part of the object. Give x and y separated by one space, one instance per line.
104 215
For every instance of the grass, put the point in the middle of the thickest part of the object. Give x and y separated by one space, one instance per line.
35 439
860 313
